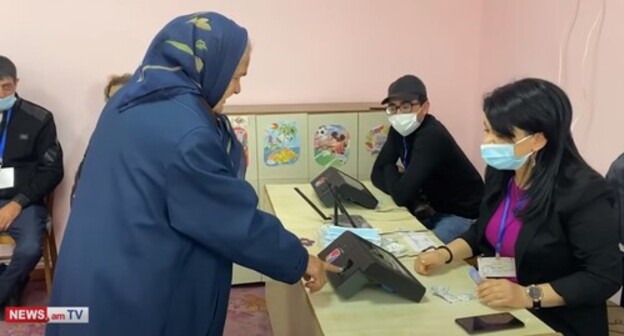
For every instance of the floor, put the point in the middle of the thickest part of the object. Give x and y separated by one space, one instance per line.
247 314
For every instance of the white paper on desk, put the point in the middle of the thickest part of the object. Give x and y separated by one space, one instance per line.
417 241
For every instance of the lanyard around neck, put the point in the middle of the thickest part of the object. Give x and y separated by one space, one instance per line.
503 223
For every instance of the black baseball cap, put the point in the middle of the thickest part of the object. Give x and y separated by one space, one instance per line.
7 68
407 88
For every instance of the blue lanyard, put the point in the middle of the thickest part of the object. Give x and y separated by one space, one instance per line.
405 163
503 223
4 135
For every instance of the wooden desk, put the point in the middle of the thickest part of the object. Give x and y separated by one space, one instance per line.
372 311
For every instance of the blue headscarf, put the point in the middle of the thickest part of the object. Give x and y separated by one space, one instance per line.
195 54
192 54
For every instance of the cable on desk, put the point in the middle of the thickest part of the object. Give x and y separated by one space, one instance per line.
389 209
405 231
402 219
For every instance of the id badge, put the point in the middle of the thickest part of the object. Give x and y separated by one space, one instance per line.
492 267
7 178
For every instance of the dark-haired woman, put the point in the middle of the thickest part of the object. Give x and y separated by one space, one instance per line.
547 236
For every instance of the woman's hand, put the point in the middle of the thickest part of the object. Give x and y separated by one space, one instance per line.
503 293
428 261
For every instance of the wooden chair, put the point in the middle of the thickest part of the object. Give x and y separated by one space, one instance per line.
48 246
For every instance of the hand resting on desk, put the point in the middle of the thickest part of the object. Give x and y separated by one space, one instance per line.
503 293
491 292
428 261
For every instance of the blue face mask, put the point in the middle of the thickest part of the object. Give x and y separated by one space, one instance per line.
502 156
330 232
7 102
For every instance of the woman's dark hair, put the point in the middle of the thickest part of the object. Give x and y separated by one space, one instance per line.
535 105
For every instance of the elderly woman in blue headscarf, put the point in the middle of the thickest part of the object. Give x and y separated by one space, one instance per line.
162 210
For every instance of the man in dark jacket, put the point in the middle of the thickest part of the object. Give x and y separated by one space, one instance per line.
421 162
31 166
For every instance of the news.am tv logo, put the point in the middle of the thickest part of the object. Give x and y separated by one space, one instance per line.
46 315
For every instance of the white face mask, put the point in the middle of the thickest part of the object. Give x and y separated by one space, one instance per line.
405 123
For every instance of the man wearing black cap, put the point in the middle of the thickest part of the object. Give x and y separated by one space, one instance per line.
422 167
31 166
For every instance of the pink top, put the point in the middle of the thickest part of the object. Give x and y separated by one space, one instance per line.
512 227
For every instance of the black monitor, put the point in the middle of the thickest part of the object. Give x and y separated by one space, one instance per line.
365 263
346 187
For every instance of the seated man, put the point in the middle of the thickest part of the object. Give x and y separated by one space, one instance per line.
31 166
421 161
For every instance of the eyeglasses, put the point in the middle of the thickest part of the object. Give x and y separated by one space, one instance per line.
405 107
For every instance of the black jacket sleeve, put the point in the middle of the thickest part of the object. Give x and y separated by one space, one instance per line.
49 170
593 238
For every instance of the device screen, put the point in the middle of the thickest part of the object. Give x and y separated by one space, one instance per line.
492 322
352 181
